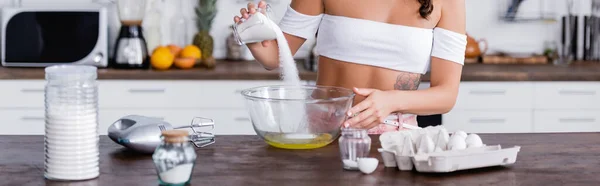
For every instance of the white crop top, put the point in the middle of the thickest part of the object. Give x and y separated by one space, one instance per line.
367 42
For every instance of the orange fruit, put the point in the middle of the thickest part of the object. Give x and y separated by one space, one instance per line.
174 49
162 58
157 47
191 51
184 63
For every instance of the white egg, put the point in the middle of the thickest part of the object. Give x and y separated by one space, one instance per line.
461 133
473 140
367 165
426 145
456 142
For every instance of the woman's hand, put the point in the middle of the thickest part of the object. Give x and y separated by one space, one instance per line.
372 111
246 12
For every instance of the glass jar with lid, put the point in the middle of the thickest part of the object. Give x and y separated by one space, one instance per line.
71 123
354 144
174 158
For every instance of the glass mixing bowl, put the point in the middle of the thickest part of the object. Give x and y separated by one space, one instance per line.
298 117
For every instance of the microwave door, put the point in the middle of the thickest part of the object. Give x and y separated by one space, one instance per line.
51 37
25 45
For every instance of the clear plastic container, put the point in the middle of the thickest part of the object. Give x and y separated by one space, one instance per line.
174 158
153 26
71 129
180 26
354 144
257 28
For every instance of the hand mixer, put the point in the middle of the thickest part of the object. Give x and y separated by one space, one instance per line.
142 134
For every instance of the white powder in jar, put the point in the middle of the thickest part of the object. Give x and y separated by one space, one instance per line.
350 164
178 174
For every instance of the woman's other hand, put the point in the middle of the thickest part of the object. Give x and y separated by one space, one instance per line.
372 111
246 12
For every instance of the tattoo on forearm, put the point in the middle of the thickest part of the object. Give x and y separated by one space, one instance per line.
407 81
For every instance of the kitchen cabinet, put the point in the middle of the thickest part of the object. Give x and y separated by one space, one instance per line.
482 107
175 94
177 102
542 107
227 121
498 95
22 94
567 95
566 120
492 107
22 121
489 121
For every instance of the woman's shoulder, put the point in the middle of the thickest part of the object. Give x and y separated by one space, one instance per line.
308 7
453 15
449 3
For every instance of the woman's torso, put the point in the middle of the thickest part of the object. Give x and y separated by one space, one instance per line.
334 72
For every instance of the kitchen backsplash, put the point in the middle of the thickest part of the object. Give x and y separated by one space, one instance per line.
482 22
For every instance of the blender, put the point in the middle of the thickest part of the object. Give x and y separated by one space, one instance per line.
130 48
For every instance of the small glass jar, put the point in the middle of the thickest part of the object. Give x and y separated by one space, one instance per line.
174 158
354 144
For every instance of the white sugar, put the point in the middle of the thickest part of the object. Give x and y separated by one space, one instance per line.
287 65
178 174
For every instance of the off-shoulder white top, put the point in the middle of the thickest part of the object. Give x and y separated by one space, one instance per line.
397 47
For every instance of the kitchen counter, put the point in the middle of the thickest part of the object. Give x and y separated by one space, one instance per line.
544 159
250 70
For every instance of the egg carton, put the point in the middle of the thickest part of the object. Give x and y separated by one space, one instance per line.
401 151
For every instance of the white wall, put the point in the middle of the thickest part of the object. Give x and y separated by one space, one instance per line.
482 22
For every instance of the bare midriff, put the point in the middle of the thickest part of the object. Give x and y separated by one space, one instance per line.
346 74
349 75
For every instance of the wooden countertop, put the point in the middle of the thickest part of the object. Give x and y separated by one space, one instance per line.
544 159
250 70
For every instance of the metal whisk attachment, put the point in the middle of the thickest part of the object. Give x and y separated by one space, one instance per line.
201 138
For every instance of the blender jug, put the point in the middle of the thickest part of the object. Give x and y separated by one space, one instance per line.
131 12
130 49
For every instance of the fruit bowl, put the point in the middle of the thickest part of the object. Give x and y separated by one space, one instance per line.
298 117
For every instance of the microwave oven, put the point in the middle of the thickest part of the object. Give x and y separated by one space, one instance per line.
40 36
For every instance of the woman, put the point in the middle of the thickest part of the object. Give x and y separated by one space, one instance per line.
380 49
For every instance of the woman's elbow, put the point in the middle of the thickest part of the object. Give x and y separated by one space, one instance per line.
447 105
269 65
270 68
